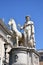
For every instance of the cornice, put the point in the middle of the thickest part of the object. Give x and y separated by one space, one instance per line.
5 28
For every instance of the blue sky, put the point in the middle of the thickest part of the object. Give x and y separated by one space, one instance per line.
18 9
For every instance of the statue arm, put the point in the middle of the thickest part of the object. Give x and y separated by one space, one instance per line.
33 29
22 27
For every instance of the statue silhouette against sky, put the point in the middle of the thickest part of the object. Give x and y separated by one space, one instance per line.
27 36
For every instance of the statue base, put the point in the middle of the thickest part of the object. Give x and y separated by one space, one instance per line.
23 56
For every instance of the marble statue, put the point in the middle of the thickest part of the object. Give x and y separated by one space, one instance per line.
13 25
28 35
29 32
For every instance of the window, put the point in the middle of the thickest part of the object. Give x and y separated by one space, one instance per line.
41 58
0 61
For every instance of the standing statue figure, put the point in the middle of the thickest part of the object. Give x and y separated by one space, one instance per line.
29 32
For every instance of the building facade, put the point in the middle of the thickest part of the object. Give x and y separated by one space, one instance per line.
5 39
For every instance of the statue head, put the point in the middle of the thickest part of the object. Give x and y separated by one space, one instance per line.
27 18
12 23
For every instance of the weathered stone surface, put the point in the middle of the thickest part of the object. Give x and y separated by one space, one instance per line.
23 56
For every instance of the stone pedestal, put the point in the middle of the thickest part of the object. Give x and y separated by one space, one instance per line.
23 56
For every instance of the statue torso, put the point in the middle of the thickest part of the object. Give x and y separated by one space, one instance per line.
28 26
